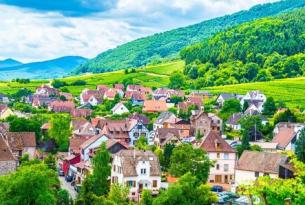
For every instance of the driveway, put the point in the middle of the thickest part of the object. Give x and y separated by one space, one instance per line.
67 186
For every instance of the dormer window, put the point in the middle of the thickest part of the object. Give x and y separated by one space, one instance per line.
143 171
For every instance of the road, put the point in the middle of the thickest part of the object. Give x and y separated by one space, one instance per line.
67 186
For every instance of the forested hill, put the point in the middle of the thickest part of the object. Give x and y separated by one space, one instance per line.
163 45
268 48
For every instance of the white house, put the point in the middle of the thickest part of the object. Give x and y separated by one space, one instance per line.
138 170
256 98
227 96
88 146
165 117
252 164
224 156
137 129
286 135
119 109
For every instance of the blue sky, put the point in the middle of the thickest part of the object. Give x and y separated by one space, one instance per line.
34 30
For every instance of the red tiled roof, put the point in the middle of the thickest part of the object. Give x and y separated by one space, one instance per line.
3 107
154 106
215 143
76 142
62 106
81 112
284 136
19 140
5 152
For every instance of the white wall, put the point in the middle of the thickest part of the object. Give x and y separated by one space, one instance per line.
85 152
245 177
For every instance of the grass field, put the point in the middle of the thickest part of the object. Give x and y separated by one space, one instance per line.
291 91
151 76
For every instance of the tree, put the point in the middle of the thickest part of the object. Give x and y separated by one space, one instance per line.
57 83
141 143
199 136
63 197
50 161
230 107
245 106
96 184
185 159
60 130
31 184
269 107
176 99
176 80
146 198
188 190
119 194
166 156
286 116
300 146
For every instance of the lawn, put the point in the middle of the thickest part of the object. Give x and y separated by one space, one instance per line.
291 90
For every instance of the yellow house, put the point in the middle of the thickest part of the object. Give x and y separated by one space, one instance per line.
5 112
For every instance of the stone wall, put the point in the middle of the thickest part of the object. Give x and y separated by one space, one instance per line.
7 167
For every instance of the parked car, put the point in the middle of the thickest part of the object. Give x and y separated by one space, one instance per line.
217 188
69 178
61 173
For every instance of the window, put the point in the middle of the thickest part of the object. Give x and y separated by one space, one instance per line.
114 168
218 155
131 183
226 167
143 171
139 127
256 174
155 183
217 166
136 134
226 156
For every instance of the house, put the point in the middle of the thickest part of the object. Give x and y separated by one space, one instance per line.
67 96
119 86
139 88
111 93
93 97
21 143
4 98
8 162
203 122
166 94
139 117
138 170
84 130
154 106
136 130
82 113
81 171
42 100
114 146
61 106
252 164
165 136
183 126
195 100
5 111
233 121
220 100
68 162
102 89
286 135
136 97
89 145
46 90
224 156
119 109
256 98
164 119
74 144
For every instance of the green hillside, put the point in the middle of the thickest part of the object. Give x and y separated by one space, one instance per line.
291 91
266 49
152 76
163 45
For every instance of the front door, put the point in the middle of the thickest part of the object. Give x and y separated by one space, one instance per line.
140 187
218 178
226 179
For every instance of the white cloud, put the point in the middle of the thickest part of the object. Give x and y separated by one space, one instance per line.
29 36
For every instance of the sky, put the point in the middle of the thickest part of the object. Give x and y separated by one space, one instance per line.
36 30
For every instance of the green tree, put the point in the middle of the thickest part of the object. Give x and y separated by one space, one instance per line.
63 197
176 80
119 194
185 159
230 107
245 106
141 143
286 116
50 161
166 156
269 107
188 190
146 198
32 184
60 130
300 146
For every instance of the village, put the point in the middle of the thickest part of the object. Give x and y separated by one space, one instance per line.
141 127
